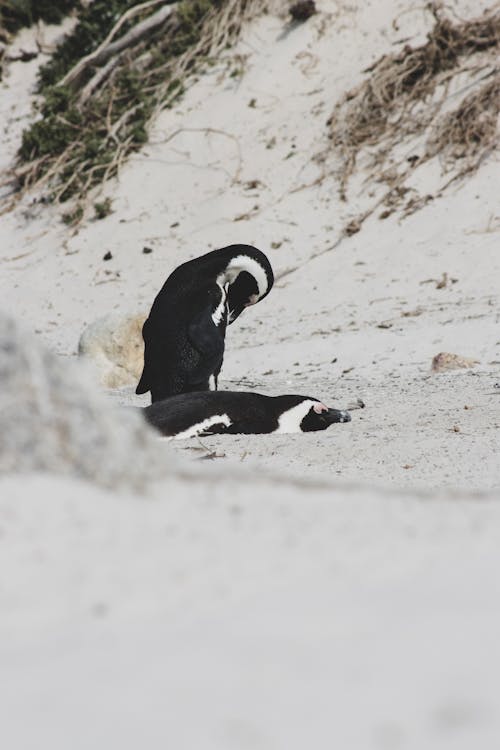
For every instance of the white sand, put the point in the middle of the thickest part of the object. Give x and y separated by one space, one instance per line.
258 614
251 616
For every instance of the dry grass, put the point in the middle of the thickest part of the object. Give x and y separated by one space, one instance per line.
470 131
404 97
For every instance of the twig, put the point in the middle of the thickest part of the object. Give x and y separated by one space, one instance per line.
98 79
108 49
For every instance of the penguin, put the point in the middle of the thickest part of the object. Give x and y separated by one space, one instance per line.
184 334
239 412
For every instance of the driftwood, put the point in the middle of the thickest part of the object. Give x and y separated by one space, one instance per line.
127 16
98 79
108 49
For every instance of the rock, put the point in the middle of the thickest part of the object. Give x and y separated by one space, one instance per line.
115 346
302 10
52 420
445 361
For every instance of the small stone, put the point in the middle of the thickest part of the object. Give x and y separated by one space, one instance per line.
252 184
107 256
302 10
358 404
352 227
445 361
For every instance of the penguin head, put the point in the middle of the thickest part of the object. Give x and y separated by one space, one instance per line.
306 414
249 277
319 417
243 292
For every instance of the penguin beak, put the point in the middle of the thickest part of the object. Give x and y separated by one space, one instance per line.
234 313
238 309
254 298
331 416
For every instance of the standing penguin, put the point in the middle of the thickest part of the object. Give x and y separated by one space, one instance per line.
239 412
185 332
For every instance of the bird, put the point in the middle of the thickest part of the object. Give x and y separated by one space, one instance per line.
184 333
239 412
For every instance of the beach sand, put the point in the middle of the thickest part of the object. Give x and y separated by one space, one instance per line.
336 589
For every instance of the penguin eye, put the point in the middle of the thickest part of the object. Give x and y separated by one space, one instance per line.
319 408
252 300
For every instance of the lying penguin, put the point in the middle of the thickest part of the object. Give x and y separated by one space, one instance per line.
184 335
235 412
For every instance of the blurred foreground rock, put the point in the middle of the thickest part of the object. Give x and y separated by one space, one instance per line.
445 361
50 419
114 345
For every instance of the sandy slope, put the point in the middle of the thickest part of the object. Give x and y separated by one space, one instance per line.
240 613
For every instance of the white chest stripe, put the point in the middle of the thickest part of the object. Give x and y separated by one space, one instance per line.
245 263
219 310
290 420
197 428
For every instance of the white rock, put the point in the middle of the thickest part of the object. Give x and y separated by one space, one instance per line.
115 346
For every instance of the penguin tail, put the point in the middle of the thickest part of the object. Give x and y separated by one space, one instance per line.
143 385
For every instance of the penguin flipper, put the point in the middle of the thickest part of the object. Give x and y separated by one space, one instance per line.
143 385
220 428
208 340
242 427
204 335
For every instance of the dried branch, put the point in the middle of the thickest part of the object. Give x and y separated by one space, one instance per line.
98 79
105 51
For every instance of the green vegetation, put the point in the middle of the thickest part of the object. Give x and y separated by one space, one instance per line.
101 89
73 217
102 208
14 14
95 22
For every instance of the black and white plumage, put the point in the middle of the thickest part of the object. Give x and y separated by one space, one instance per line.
184 334
239 412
